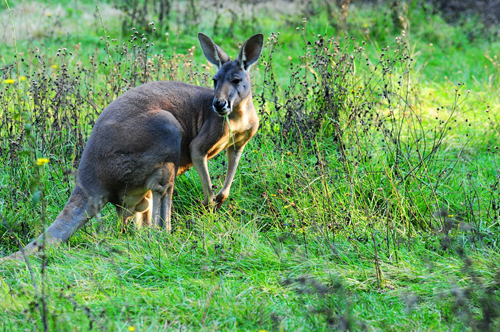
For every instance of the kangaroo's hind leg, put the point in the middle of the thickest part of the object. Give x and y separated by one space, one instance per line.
162 189
162 163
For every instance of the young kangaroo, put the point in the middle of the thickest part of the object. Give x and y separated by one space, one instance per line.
156 131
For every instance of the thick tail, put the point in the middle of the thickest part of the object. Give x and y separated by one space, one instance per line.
78 210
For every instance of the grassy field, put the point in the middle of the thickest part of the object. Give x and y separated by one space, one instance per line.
368 200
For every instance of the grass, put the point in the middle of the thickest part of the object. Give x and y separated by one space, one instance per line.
369 199
253 281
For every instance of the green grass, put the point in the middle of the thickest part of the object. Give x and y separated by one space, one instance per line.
367 201
252 281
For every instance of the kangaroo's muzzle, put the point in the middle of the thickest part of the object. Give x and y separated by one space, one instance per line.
221 107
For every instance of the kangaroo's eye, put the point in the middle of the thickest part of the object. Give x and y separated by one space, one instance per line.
236 81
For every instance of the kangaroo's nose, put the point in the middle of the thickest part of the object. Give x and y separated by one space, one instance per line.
221 106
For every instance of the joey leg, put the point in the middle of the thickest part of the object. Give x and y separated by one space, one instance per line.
144 211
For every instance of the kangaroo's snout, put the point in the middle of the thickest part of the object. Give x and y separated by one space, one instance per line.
221 107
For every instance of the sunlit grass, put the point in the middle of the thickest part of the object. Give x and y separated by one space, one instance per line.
382 220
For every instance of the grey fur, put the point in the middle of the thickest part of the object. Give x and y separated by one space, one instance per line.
154 132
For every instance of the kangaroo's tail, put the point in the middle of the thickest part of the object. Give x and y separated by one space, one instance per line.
78 210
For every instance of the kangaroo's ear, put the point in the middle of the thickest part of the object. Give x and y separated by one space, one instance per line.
212 51
250 52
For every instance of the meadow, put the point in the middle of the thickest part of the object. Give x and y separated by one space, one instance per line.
368 200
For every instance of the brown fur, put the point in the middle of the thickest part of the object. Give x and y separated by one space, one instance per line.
156 131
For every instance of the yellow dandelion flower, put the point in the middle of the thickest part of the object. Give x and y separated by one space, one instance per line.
23 78
131 328
451 215
274 195
42 161
9 81
48 14
54 66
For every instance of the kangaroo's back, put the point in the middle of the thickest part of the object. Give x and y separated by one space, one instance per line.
188 103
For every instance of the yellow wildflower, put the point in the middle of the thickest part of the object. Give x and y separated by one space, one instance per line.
42 161
9 81
54 66
131 328
23 78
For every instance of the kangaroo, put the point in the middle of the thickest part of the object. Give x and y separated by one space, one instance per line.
150 134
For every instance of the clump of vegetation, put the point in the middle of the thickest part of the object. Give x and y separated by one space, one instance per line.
373 180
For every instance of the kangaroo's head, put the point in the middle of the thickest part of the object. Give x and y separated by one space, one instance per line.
232 82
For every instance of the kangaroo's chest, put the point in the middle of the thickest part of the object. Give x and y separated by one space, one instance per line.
230 138
221 144
237 132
